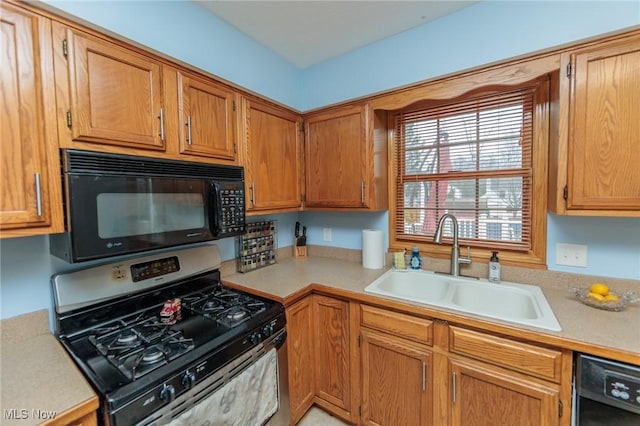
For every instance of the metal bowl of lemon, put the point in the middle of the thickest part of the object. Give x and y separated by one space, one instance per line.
599 296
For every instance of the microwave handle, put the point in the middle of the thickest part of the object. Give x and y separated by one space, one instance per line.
215 213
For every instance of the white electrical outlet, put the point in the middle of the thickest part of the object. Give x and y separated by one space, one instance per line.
326 234
571 254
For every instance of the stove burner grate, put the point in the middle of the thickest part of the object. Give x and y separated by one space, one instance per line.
226 307
141 361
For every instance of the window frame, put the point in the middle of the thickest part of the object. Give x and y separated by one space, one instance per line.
535 256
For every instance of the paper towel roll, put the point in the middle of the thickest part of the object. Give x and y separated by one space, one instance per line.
372 249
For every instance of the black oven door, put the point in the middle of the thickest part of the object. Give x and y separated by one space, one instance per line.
112 215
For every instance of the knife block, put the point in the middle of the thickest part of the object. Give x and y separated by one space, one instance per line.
299 252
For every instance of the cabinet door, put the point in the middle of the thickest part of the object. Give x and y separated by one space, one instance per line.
333 372
29 177
207 113
114 93
488 396
272 157
604 129
396 381
337 152
301 360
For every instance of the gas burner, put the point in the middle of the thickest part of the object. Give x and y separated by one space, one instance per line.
127 338
233 316
151 355
236 316
212 306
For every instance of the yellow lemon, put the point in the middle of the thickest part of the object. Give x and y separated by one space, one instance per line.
596 296
611 298
599 288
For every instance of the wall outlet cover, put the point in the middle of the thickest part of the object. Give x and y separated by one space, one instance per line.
571 255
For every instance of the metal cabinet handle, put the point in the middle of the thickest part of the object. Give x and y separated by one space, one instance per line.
424 376
189 130
38 195
253 193
362 192
161 124
453 387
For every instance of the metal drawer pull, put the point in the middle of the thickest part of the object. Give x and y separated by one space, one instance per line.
38 195
189 129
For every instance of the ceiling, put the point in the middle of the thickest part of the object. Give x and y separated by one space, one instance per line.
307 32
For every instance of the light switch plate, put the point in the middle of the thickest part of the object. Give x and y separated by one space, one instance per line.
326 234
571 255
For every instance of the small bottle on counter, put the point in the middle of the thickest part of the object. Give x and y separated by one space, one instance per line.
494 268
416 261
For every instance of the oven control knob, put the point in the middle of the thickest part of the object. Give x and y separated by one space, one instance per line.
255 338
168 393
188 379
267 330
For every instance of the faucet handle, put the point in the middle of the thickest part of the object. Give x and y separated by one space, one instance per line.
466 260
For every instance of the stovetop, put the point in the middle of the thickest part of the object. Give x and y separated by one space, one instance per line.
144 338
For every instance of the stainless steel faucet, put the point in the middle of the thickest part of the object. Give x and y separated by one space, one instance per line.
456 260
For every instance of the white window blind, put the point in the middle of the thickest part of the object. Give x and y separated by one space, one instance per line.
472 158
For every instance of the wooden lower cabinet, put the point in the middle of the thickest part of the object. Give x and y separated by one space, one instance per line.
484 395
333 378
320 351
371 366
396 381
301 358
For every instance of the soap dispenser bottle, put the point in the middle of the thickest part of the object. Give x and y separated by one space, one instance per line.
416 261
494 268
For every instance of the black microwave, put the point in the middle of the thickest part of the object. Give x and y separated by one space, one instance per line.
121 204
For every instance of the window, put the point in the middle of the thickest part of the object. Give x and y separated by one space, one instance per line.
477 157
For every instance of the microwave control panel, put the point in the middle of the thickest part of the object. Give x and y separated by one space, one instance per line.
232 208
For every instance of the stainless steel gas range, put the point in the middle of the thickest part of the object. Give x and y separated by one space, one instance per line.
159 338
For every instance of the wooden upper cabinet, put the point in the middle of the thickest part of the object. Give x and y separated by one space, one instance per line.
336 158
346 159
207 117
599 98
113 95
272 157
29 176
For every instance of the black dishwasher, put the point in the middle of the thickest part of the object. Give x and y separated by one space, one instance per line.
607 393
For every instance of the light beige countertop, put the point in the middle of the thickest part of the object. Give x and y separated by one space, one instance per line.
39 382
584 329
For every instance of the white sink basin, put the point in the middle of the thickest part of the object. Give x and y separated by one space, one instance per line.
512 302
404 285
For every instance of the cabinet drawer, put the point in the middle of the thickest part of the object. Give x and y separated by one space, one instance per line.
407 326
533 360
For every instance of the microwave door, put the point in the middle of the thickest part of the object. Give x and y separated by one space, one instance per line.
114 215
